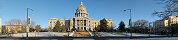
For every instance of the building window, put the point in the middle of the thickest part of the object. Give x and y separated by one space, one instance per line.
84 22
78 28
80 23
84 28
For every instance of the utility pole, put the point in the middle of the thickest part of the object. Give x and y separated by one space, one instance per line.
130 24
28 22
149 29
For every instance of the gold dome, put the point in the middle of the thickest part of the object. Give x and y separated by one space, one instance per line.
81 8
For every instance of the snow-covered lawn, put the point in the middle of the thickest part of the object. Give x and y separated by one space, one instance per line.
108 34
37 34
90 33
123 34
61 34
163 38
139 34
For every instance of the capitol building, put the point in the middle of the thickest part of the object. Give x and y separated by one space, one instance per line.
81 21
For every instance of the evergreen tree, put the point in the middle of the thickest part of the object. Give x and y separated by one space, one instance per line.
97 28
63 28
122 27
103 25
38 28
58 27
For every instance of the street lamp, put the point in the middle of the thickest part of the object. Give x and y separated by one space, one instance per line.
130 24
149 28
28 21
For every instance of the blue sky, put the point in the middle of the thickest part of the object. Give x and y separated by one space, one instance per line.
97 9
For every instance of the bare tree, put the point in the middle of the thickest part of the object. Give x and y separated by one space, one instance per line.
38 28
171 8
32 23
19 22
14 22
141 23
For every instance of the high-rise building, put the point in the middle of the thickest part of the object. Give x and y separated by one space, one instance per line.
81 21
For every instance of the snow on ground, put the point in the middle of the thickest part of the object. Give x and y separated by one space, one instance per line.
139 34
108 34
60 34
90 33
123 34
163 38
71 34
36 34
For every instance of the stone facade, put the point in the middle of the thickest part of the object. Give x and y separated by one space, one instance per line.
13 29
165 22
81 21
160 23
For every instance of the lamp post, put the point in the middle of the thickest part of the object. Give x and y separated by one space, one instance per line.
68 32
130 24
28 21
149 29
